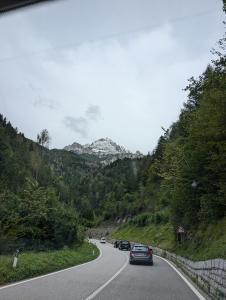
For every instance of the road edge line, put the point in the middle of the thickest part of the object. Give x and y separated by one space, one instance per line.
191 286
97 291
55 272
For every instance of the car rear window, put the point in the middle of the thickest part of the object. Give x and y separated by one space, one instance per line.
140 248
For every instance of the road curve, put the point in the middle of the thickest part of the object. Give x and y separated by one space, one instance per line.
72 284
136 282
143 282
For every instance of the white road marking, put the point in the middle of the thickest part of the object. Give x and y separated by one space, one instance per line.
53 273
197 293
91 296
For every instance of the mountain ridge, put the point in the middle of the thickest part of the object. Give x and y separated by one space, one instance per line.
106 150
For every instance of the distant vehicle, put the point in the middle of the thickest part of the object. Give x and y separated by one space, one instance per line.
116 243
124 245
103 240
141 254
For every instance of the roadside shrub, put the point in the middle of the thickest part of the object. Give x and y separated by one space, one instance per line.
144 219
141 220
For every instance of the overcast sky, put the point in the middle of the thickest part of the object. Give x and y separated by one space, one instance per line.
86 69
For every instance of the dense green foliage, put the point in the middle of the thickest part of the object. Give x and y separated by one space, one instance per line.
32 214
32 264
193 162
110 192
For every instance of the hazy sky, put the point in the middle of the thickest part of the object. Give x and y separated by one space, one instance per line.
86 69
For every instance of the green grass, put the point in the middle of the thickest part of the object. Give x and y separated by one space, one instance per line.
32 264
206 242
156 235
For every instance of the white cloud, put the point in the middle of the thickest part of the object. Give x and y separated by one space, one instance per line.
78 125
93 112
125 88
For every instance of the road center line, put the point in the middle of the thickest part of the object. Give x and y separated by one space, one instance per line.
91 296
195 291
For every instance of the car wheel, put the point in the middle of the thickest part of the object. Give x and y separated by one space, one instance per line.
130 262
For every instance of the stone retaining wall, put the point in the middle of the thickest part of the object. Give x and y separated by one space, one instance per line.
210 275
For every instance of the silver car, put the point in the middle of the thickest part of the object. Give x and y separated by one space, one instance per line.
141 254
103 240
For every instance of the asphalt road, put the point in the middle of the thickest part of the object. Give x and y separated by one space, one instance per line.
132 282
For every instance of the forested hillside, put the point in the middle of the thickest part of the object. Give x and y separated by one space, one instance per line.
48 196
189 163
36 205
184 178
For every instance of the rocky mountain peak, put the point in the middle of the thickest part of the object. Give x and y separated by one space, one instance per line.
105 149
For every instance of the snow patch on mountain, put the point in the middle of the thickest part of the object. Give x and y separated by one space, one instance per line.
105 149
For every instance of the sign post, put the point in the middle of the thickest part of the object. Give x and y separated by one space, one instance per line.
180 234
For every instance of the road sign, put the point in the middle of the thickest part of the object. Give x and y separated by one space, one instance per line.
180 229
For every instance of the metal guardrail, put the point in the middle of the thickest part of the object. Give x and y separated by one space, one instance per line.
210 274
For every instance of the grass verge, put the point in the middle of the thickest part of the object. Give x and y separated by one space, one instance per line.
32 264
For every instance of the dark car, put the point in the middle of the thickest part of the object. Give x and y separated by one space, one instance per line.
124 245
141 254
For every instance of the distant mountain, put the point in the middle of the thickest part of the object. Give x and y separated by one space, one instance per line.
104 149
